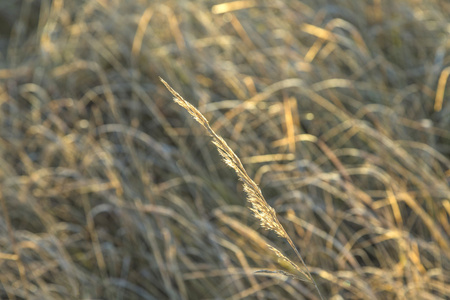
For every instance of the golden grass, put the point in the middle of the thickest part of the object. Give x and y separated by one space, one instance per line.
261 210
338 111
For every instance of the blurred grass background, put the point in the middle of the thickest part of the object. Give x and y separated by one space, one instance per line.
339 110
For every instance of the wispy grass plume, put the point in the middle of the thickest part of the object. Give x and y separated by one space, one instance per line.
259 206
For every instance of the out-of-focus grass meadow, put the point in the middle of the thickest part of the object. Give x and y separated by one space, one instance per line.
339 110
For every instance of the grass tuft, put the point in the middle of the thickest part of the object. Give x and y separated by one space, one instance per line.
338 111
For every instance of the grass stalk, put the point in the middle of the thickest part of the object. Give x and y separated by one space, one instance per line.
259 206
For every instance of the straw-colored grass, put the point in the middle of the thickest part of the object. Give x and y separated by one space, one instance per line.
338 110
261 210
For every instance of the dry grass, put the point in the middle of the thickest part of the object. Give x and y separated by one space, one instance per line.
259 206
339 111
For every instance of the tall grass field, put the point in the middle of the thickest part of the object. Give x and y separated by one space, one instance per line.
247 149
